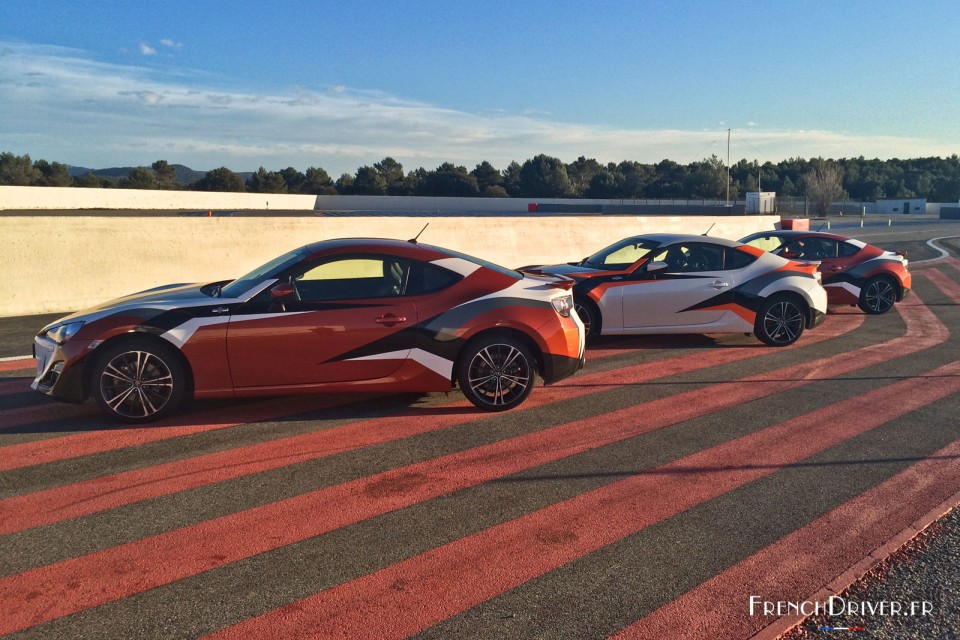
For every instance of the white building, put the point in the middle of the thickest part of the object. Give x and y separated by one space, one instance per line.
761 201
901 206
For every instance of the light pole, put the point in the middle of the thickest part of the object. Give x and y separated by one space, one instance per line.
728 167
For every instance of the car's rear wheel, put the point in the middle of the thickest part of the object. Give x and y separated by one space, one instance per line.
877 296
780 321
138 381
589 316
496 373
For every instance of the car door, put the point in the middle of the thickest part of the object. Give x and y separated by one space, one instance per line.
667 297
838 258
346 319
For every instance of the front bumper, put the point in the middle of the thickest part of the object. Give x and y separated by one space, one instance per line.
60 368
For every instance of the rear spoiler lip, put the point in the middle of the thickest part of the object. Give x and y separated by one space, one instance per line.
563 283
549 279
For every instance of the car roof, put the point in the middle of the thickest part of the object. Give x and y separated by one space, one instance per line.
670 238
337 243
793 233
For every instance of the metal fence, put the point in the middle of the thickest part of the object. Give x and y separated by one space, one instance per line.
804 207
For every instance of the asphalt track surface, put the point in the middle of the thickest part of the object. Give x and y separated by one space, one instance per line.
649 496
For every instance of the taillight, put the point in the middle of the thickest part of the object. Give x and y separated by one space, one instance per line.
563 305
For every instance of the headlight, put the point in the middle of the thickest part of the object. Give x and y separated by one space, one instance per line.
563 305
63 332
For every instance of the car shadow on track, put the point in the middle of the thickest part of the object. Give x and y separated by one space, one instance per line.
33 413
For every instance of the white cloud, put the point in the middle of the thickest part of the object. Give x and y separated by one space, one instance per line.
63 106
147 50
171 44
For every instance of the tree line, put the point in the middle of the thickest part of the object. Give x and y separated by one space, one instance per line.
543 176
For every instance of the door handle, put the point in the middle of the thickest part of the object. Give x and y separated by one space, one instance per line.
389 320
719 284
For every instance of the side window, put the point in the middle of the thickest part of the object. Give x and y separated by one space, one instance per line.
351 277
825 248
429 278
847 249
737 259
685 258
795 249
811 248
706 257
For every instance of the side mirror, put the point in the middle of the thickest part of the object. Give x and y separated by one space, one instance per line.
659 265
281 291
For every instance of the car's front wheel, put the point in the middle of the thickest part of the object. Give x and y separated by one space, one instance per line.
877 296
496 373
138 381
780 321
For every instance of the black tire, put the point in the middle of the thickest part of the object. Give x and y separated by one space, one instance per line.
496 373
780 321
138 381
877 295
589 316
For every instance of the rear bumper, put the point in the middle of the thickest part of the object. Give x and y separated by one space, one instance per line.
560 363
816 318
556 368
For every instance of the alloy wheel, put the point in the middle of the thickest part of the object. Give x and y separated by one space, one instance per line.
879 296
783 322
499 374
136 384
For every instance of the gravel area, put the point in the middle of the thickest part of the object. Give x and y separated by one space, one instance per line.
924 574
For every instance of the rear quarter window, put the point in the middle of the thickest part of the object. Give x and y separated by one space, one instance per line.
429 278
738 259
847 249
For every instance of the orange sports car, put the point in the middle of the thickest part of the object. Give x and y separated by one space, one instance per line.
334 316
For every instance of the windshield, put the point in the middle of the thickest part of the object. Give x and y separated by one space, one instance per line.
764 241
270 270
621 255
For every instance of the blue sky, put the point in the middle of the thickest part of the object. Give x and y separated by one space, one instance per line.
344 84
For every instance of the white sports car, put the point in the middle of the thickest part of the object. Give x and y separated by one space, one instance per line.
673 283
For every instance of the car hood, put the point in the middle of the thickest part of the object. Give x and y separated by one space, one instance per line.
164 297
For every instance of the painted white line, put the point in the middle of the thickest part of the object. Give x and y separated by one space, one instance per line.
12 358
943 252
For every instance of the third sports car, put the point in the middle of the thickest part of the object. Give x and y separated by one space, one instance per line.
854 272
672 283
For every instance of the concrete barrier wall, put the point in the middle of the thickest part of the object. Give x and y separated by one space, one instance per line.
421 204
28 198
53 264
70 198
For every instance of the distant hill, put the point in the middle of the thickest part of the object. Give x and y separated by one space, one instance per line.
185 175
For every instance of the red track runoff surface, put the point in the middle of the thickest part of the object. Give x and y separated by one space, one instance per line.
649 496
